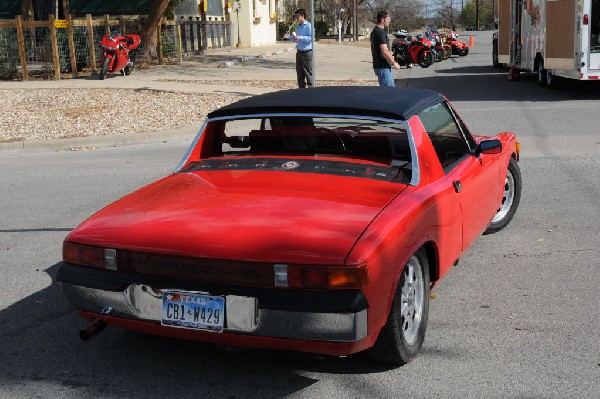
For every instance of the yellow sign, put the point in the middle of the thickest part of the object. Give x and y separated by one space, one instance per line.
60 23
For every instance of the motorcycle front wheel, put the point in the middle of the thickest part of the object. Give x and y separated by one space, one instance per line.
464 52
128 68
104 69
424 59
447 52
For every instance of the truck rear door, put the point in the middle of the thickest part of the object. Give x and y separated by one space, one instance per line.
560 35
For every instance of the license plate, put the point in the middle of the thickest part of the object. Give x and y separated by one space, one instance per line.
193 311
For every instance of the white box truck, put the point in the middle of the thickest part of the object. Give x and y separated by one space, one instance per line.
553 38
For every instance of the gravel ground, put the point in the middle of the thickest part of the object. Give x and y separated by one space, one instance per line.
41 114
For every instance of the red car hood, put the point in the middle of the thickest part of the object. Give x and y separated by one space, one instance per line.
246 215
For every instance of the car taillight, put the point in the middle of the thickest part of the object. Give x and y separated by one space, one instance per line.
87 255
586 19
321 277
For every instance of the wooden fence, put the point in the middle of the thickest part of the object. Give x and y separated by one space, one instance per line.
178 38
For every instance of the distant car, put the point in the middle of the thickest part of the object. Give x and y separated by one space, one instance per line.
309 220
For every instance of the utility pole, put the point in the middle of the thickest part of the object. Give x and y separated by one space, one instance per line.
312 43
236 8
355 18
476 14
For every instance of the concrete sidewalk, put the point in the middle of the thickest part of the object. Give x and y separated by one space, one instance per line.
274 62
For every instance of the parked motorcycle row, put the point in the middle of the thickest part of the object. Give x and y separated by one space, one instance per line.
426 49
116 53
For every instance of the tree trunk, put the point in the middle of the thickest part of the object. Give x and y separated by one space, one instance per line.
27 10
148 34
65 8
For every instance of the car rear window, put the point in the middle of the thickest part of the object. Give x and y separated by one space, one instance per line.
382 140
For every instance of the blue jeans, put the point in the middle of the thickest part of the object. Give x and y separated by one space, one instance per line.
384 76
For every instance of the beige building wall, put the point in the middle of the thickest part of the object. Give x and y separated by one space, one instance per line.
258 23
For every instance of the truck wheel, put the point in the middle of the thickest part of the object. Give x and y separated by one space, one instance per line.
510 199
401 338
553 82
540 73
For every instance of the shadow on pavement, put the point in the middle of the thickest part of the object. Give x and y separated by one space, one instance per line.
41 334
486 83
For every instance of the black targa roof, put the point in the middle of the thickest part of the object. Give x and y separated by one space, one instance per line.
386 102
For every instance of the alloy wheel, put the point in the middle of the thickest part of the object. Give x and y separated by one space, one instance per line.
411 300
507 197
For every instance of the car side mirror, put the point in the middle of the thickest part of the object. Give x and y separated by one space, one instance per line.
490 147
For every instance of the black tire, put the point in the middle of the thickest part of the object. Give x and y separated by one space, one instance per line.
128 69
510 199
447 52
540 73
553 82
464 52
104 69
424 60
401 338
495 61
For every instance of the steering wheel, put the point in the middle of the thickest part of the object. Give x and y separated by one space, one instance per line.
329 132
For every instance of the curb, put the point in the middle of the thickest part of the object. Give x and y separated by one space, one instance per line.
95 142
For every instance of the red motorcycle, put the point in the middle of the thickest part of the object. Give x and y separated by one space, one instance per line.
458 48
408 50
115 53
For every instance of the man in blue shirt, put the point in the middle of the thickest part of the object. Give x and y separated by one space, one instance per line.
383 60
303 38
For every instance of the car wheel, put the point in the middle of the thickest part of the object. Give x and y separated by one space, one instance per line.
104 68
541 73
510 199
401 338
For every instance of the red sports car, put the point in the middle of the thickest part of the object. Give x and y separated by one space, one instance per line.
311 220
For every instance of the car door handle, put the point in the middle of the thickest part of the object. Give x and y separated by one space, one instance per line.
457 186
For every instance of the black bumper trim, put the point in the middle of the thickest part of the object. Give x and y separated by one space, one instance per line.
346 301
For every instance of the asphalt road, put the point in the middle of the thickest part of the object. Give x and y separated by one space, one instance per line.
519 317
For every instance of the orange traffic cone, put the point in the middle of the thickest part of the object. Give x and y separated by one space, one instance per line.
471 41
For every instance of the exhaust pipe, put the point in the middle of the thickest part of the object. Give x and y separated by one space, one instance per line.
96 326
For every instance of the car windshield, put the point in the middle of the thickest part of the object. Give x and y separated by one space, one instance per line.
382 140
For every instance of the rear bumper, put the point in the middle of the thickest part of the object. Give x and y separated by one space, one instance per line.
336 316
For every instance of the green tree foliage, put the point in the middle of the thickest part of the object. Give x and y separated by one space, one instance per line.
486 14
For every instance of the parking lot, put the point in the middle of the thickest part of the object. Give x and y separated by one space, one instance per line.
518 317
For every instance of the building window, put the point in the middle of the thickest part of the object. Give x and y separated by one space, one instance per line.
215 8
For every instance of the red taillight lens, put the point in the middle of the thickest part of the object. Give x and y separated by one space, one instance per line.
586 19
328 277
83 255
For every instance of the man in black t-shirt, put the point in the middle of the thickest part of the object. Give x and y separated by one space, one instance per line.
383 60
